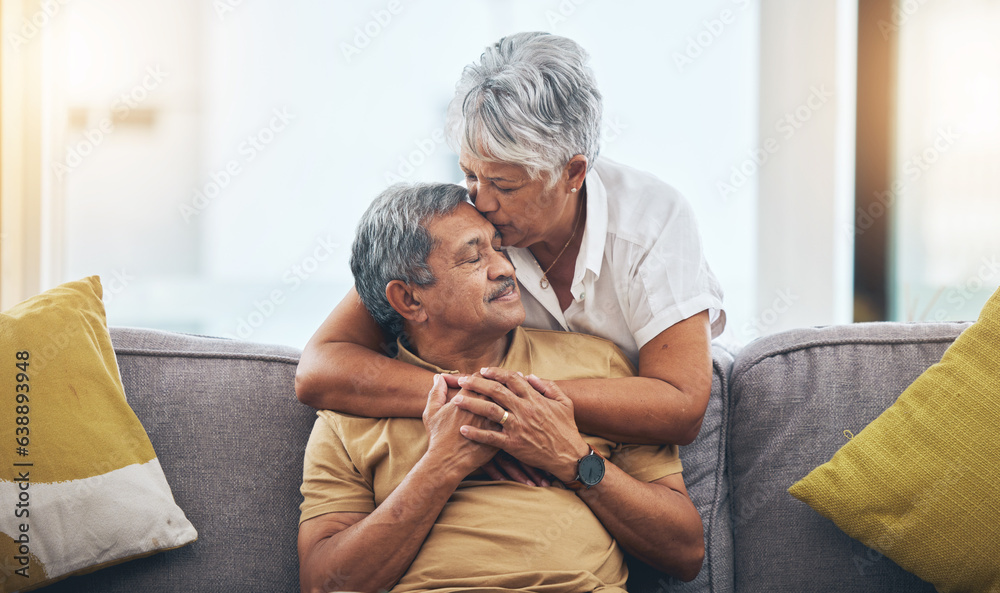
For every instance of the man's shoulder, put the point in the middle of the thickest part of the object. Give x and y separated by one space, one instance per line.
558 337
352 428
557 354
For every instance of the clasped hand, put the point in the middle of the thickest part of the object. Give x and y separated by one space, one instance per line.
540 430
443 421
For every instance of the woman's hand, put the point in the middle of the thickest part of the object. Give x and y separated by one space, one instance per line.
503 467
539 429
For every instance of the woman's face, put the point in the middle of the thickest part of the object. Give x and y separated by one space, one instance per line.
522 209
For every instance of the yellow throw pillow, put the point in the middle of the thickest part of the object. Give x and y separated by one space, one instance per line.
921 483
80 484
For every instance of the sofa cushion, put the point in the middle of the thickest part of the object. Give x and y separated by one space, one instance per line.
88 487
796 399
920 483
223 417
707 484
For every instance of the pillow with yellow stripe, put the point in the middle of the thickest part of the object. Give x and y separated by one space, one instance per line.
80 484
921 483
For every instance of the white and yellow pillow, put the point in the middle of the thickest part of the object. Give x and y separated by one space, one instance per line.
83 486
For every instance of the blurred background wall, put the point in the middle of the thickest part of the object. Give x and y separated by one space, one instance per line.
209 159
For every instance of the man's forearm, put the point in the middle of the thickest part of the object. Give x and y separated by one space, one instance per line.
375 552
353 379
653 522
637 410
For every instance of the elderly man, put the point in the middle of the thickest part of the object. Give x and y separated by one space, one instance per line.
400 503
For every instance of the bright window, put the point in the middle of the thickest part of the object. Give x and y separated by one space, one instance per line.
947 185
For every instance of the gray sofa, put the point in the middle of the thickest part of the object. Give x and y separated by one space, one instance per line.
229 433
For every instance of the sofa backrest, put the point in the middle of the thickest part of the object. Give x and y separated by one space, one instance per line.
708 485
796 398
229 434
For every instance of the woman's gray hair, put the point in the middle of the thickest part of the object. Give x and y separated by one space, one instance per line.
392 243
531 100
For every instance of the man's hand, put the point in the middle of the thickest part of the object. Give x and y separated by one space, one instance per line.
539 429
443 419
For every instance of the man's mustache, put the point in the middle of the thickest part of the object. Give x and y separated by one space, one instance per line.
504 286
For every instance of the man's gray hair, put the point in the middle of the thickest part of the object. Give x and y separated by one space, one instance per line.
531 100
392 243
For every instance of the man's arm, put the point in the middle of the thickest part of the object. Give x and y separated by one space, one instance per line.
369 552
655 522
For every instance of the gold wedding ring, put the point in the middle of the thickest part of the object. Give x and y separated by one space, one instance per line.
506 415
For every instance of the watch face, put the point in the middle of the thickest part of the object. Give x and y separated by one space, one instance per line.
591 469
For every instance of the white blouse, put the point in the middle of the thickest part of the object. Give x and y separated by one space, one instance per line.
641 266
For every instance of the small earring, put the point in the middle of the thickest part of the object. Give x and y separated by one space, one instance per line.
572 191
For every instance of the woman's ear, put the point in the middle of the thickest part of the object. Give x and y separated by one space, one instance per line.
405 301
576 171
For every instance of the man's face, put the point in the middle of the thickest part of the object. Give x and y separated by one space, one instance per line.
475 289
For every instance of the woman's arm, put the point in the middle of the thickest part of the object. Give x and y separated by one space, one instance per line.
344 368
665 403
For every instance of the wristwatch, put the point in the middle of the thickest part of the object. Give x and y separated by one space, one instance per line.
589 471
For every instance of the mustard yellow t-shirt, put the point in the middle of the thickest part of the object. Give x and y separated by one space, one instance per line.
490 535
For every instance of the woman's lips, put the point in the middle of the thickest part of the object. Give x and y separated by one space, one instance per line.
500 225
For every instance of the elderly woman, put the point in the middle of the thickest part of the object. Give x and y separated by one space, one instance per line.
599 248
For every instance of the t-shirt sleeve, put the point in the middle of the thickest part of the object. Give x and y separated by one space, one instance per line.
647 463
330 481
619 365
670 280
